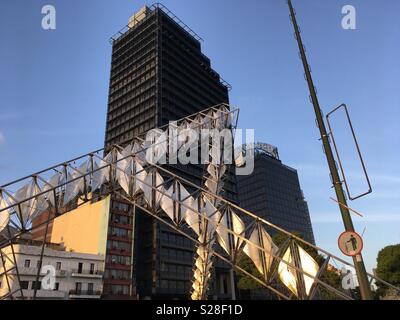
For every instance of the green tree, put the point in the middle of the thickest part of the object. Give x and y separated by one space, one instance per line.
244 281
388 268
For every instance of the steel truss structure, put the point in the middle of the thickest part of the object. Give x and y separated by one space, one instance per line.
288 271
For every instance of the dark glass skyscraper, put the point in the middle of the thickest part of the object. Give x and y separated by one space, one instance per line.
158 74
273 192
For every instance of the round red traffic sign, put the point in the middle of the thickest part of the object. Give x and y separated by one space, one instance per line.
350 243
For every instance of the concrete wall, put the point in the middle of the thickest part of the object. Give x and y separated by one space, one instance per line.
84 229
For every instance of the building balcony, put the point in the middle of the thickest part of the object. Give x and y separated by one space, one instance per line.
115 237
118 296
97 274
118 266
43 294
61 273
121 225
84 294
26 271
120 212
119 252
32 271
117 281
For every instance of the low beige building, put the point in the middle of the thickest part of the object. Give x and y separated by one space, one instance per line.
77 275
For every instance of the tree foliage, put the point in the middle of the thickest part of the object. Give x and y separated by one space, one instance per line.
388 267
244 281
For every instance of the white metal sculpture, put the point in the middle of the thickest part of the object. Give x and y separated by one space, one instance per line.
213 219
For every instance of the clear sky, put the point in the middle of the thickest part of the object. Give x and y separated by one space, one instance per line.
54 87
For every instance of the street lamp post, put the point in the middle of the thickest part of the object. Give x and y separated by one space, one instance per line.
365 288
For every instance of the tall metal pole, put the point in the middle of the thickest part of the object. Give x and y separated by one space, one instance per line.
365 288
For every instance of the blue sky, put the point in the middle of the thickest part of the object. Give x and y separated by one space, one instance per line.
54 86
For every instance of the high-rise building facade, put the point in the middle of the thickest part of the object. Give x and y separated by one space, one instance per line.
273 192
158 74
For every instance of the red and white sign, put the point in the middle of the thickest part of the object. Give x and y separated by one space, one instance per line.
350 243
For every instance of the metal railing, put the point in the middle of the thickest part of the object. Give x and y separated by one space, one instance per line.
76 292
87 272
169 13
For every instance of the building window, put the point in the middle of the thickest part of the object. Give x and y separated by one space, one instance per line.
78 287
24 285
172 284
225 282
180 285
56 286
27 263
90 288
119 290
80 267
92 268
58 266
36 285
